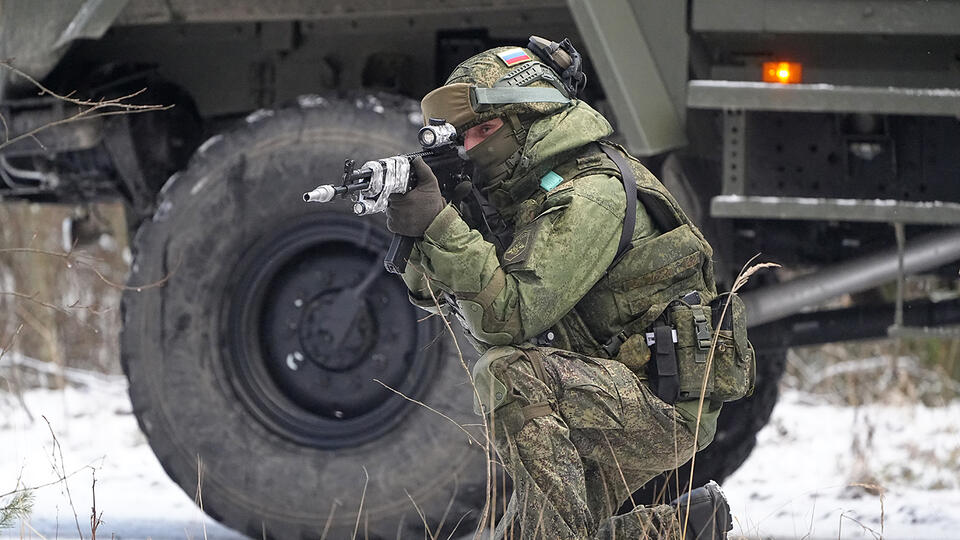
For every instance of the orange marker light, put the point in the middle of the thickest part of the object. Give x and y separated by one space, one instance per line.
782 72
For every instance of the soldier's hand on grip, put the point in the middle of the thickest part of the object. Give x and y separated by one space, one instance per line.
411 213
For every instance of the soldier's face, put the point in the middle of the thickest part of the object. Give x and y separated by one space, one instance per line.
478 133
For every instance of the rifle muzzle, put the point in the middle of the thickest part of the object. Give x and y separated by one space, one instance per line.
322 194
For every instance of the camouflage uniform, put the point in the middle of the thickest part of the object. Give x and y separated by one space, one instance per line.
578 431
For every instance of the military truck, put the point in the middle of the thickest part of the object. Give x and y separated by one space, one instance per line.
820 133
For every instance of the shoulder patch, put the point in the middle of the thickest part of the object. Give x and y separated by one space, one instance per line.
512 57
550 180
519 247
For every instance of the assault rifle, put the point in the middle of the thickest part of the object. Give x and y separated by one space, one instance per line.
375 181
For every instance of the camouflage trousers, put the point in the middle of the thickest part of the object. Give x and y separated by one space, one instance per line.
578 435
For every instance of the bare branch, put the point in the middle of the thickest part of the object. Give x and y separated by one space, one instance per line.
85 114
57 449
9 345
60 478
33 298
86 109
15 388
77 259
80 102
95 519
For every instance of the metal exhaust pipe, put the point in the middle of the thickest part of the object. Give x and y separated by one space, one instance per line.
784 299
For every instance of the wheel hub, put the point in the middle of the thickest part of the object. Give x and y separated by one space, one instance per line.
317 340
283 357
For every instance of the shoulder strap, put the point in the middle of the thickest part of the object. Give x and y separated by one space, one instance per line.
659 211
630 188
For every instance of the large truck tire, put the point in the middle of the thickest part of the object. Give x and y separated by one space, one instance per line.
226 344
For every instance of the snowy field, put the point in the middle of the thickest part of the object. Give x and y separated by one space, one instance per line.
97 435
819 472
797 484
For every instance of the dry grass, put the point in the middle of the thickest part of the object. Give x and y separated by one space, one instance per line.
363 496
488 514
742 278
826 372
887 371
16 505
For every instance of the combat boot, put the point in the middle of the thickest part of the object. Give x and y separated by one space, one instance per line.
709 517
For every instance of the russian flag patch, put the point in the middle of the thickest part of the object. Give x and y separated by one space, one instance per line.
512 57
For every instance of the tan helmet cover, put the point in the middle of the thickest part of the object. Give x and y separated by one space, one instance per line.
454 102
451 103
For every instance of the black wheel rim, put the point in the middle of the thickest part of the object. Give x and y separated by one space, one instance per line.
277 349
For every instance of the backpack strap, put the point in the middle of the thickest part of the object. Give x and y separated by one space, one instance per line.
630 188
659 210
665 220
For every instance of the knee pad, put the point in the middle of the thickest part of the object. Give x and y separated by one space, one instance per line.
491 391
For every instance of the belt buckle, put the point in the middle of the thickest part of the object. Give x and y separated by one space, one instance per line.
612 346
700 321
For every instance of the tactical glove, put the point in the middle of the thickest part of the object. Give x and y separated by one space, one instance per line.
411 213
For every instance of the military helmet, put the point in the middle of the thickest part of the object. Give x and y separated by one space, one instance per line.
508 81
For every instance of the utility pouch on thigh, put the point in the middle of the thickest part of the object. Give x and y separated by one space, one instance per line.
735 359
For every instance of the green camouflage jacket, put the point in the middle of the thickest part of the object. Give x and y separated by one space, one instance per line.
554 276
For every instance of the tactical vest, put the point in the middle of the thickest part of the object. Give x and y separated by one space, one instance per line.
657 306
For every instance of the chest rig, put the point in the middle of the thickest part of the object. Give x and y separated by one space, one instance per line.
656 307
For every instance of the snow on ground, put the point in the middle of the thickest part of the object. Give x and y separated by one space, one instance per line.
798 481
795 485
97 434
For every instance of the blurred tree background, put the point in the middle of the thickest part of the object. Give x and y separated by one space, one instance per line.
65 313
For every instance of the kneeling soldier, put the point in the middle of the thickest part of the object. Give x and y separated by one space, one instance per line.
590 302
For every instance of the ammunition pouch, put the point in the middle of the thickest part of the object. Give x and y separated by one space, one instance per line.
675 353
735 360
732 368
